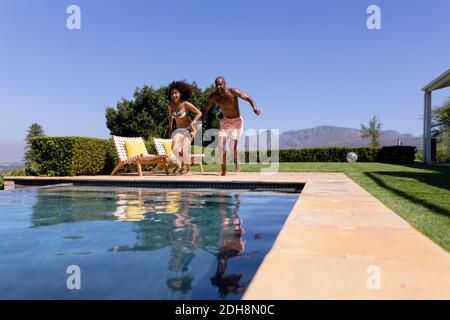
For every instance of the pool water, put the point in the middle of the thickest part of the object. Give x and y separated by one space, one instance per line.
135 243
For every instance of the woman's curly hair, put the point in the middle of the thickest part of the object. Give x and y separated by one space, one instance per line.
183 87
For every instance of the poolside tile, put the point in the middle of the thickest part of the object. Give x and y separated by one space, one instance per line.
299 276
385 243
348 218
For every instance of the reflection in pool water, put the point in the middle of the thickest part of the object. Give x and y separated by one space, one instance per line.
139 244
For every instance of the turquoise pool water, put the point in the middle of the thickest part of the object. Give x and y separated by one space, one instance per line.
135 243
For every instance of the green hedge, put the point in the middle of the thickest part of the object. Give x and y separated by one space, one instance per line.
2 184
327 154
394 154
70 156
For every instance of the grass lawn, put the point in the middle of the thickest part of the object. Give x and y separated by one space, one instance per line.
420 194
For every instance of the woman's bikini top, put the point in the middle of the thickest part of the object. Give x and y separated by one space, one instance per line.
179 114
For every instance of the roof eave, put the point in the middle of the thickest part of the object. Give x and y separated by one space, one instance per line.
440 82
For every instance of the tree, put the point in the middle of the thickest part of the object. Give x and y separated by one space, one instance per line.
146 114
372 131
440 125
34 130
143 116
441 119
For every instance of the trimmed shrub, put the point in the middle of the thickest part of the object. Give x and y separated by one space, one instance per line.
323 154
327 154
391 154
397 154
2 184
70 156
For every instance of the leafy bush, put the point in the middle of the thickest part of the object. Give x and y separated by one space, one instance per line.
18 172
443 155
443 147
419 156
69 156
397 154
150 146
13 173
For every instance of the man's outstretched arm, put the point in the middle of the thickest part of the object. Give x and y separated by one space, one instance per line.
247 98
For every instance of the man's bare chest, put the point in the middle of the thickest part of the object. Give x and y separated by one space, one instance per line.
226 101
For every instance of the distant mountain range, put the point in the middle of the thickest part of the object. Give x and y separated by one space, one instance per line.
323 136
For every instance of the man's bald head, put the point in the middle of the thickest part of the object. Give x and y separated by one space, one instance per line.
220 85
219 79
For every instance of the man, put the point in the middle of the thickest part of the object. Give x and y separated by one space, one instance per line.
231 125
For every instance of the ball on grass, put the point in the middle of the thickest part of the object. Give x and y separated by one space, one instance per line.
352 157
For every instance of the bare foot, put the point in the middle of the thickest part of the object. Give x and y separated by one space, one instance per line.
221 173
237 168
189 173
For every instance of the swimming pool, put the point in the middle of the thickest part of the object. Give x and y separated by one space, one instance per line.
135 243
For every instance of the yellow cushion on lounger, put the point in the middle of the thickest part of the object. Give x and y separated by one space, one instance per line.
135 148
168 148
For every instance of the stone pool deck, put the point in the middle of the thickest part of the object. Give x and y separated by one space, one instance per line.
338 238
338 242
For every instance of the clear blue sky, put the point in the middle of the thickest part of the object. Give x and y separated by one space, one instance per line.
306 63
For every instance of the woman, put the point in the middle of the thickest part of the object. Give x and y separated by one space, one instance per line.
179 92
